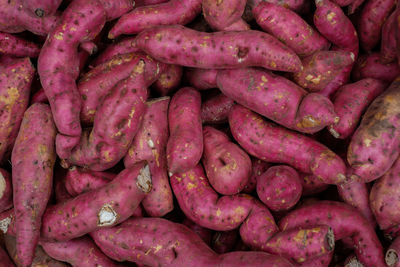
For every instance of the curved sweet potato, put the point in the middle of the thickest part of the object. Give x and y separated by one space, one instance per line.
15 46
295 5
204 233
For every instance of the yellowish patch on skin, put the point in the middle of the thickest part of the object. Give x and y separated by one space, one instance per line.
12 96
156 156
190 186
367 142
330 17
204 44
59 36
72 29
42 149
218 213
273 64
131 116
91 112
157 248
107 156
264 79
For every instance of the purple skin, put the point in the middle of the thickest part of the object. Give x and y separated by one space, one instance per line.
78 252
354 6
41 8
15 46
200 203
393 254
289 28
311 184
321 68
102 207
345 221
227 166
322 261
302 244
60 192
342 2
375 145
15 86
6 190
383 198
140 3
225 15
159 242
185 143
39 97
370 22
258 168
277 98
124 46
296 5
58 68
205 234
32 159
389 42
370 66
177 44
202 79
116 8
149 144
223 242
169 80
279 188
169 13
350 102
216 109
272 143
5 259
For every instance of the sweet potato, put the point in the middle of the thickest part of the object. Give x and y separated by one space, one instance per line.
375 144
202 79
311 184
39 97
140 3
150 144
185 144
388 41
58 68
289 28
370 66
383 198
5 260
227 166
169 80
15 46
321 68
200 203
6 197
279 188
158 242
372 16
277 98
78 252
15 19
223 242
116 8
343 2
216 109
33 159
117 119
393 253
177 44
15 85
41 258
258 168
7 222
295 5
89 47
102 207
225 15
205 234
354 6
124 46
169 13
350 102
41 8
322 261
345 221
302 244
272 143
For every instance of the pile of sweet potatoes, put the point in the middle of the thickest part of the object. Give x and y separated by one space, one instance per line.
200 133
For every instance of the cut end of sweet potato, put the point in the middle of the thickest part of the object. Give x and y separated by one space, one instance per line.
3 185
144 179
4 224
391 257
330 239
107 216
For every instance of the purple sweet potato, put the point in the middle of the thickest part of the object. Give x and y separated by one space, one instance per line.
200 203
185 144
177 44
140 3
79 180
169 80
277 98
273 143
289 28
373 15
258 167
384 198
58 68
354 6
321 68
169 13
350 102
227 166
41 8
6 190
60 192
311 184
39 97
202 79
388 41
225 15
370 66
205 234
15 46
375 145
302 244
393 254
32 176
15 85
295 5
322 261
116 8
342 2
223 242
78 252
5 260
216 109
279 188
345 221
117 119
150 144
124 46
102 207
159 242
